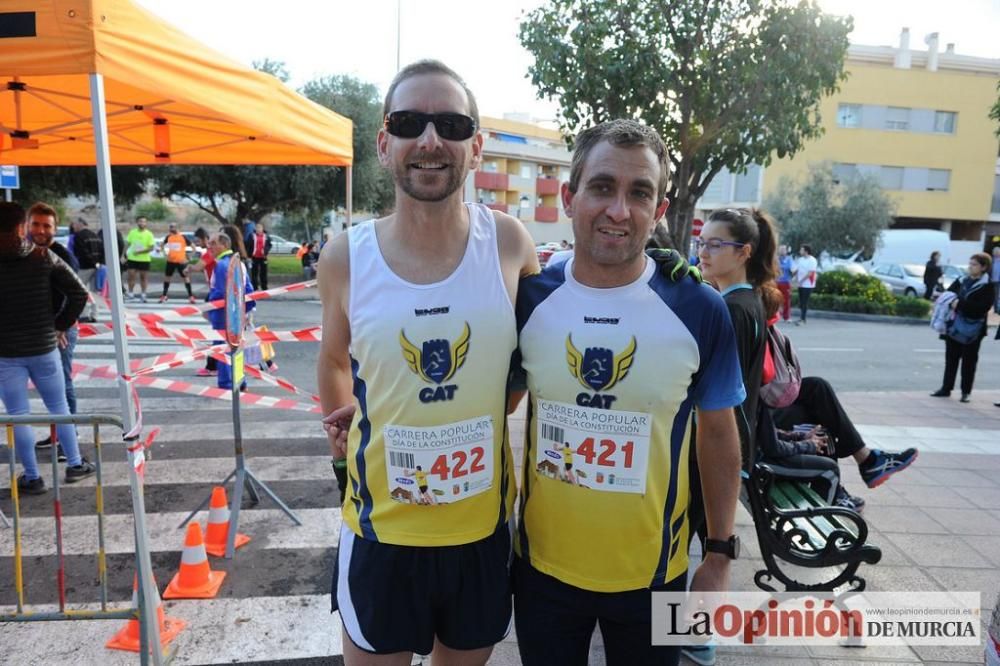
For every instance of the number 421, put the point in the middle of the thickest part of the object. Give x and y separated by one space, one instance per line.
608 448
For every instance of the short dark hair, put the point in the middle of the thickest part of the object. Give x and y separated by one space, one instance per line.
807 247
11 215
429 67
625 133
42 209
985 260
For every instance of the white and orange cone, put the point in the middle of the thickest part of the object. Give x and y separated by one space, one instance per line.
195 580
217 530
128 637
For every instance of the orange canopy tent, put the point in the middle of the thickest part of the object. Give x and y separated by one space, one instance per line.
101 82
169 99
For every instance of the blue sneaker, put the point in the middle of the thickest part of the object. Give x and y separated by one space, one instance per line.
704 655
881 465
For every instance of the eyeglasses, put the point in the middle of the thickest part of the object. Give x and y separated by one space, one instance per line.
411 124
715 245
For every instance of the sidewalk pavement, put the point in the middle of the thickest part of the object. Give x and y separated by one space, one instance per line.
937 522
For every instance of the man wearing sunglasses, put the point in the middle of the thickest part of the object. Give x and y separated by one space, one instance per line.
418 333
616 353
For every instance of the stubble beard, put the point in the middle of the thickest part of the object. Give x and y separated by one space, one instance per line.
406 178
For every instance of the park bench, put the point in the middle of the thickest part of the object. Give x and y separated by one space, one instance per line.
796 526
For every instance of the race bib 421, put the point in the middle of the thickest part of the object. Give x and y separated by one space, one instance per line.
600 449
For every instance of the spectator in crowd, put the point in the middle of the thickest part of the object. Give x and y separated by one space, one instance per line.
121 253
220 245
30 332
175 246
309 259
784 281
260 247
42 222
805 274
89 253
966 332
138 257
932 273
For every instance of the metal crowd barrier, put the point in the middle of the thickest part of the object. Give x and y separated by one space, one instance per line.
146 611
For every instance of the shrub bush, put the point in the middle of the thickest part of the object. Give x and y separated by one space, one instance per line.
840 283
910 306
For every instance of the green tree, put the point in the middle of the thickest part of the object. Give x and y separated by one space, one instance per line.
727 83
153 209
53 184
831 215
361 102
234 194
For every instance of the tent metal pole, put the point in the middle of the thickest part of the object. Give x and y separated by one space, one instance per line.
106 199
349 199
105 196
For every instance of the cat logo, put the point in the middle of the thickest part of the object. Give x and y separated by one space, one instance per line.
436 362
598 369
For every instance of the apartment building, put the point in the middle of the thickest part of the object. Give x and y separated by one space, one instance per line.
522 169
918 122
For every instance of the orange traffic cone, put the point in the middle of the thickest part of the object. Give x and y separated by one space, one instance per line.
128 637
217 530
194 580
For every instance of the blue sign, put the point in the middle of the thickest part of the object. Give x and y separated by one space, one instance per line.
236 316
10 179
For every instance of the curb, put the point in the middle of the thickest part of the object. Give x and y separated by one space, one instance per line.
857 316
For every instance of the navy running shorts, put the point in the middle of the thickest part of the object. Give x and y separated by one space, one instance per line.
398 598
555 621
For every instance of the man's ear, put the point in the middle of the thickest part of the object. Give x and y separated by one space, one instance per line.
567 199
662 209
477 152
382 147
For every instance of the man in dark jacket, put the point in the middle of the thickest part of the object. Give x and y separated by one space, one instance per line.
89 253
30 331
42 221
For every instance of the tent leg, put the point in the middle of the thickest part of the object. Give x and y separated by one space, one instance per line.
106 199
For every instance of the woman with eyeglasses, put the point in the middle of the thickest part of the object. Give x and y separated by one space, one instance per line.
975 295
737 253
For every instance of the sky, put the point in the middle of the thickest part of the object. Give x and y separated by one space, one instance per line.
478 38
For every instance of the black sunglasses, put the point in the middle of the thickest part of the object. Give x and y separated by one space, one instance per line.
411 124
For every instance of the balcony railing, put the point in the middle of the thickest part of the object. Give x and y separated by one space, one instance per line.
547 186
491 181
546 214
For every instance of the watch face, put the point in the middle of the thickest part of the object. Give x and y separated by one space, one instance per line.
734 544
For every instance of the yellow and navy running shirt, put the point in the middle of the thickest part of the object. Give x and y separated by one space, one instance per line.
614 374
430 365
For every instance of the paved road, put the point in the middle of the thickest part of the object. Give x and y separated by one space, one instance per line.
275 603
853 356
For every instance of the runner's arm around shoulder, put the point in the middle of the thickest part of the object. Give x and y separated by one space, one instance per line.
719 464
333 367
517 250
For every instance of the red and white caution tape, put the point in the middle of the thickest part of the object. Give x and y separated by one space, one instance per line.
178 386
200 308
267 377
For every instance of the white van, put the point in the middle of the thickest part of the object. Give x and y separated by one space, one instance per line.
911 246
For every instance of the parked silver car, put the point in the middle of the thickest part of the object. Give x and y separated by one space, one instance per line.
902 279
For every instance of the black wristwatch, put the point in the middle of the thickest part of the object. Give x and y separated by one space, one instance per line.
730 547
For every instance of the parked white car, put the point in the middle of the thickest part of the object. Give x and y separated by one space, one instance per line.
281 246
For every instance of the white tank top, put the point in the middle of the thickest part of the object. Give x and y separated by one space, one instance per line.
429 457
